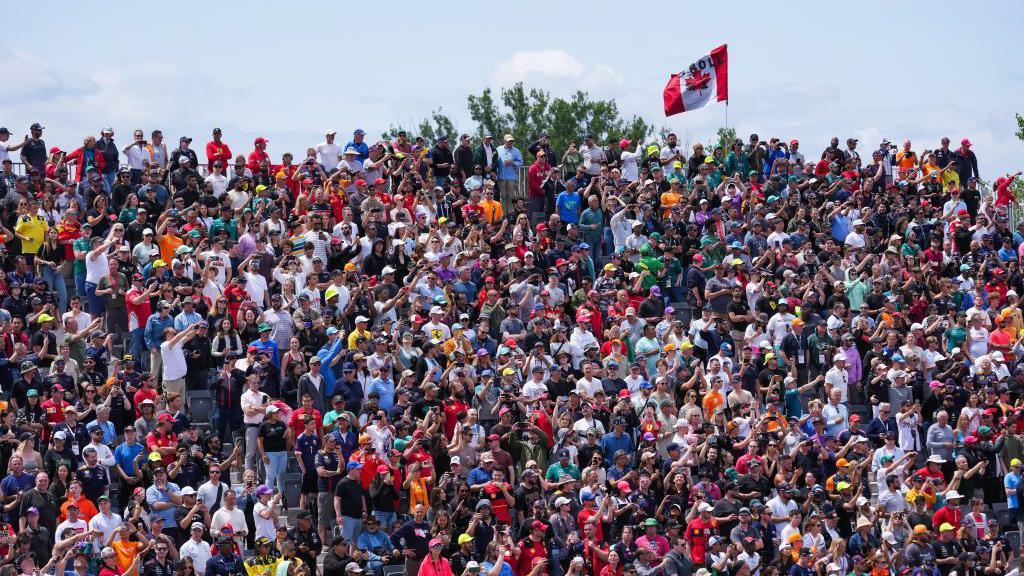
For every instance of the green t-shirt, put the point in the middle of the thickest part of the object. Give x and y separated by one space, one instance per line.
556 470
80 245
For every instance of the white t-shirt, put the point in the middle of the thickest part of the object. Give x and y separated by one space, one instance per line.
256 286
781 510
234 517
96 268
265 527
175 366
199 552
79 526
329 155
251 399
219 182
104 524
587 388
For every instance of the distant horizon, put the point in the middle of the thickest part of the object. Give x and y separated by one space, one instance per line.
858 74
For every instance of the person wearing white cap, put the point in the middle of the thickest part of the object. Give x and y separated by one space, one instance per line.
855 238
196 548
328 152
436 329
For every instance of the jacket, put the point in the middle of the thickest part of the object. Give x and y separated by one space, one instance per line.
480 159
80 158
111 156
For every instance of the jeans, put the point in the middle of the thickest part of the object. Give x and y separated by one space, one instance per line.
351 528
609 243
387 519
55 280
251 450
137 348
80 285
276 469
109 177
96 305
227 423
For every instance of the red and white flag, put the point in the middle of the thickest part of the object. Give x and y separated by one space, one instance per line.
702 80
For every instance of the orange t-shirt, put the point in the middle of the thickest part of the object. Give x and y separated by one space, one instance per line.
125 552
712 401
168 244
86 509
669 200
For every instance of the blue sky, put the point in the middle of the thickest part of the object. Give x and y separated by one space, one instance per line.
797 70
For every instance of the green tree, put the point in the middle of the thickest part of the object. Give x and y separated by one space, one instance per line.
726 136
1020 126
525 113
430 129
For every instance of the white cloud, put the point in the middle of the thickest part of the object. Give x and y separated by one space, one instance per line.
557 71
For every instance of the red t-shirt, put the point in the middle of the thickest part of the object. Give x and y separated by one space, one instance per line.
529 550
143 394
451 410
53 413
370 462
586 514
155 440
698 532
498 503
138 314
928 474
298 426
426 461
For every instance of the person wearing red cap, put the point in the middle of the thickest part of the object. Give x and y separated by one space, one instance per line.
435 564
162 440
532 548
541 179
258 155
966 162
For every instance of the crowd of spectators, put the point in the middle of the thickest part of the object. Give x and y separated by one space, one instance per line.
438 359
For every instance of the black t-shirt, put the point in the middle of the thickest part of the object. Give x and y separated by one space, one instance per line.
94 481
273 434
945 550
740 308
34 152
350 491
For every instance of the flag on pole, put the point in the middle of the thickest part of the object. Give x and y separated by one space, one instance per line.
696 85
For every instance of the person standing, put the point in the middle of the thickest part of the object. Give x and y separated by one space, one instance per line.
510 160
349 504
111 157
273 447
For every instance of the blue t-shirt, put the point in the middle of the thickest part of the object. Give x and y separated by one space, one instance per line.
569 207
124 456
1011 481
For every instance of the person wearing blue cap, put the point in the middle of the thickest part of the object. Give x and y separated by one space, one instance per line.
327 354
357 143
349 507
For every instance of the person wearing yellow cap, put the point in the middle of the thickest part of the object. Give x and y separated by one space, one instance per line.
1011 484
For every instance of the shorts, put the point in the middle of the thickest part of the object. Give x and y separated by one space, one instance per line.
325 509
309 482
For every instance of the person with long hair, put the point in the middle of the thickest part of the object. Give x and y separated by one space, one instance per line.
49 262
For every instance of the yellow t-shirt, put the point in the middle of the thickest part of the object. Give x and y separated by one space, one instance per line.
355 335
950 177
913 494
33 228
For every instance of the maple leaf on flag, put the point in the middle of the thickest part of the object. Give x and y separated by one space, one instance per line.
697 80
